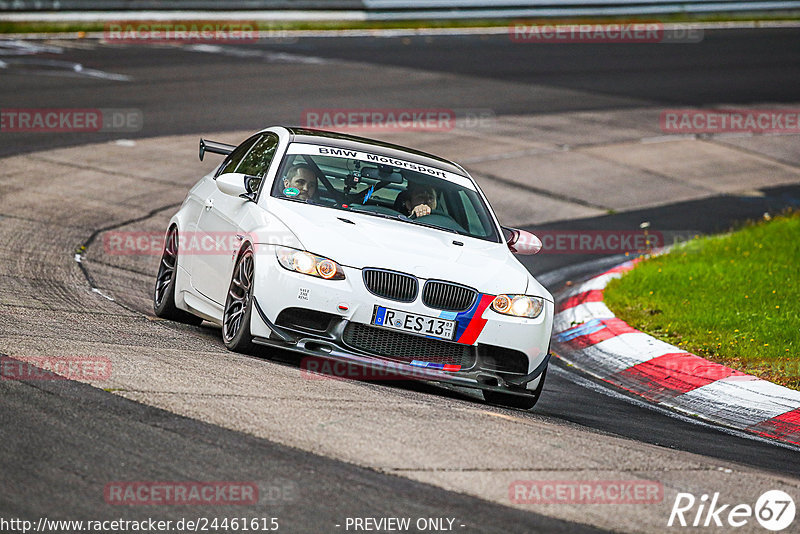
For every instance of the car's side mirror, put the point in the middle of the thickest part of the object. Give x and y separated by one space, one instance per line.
522 242
236 184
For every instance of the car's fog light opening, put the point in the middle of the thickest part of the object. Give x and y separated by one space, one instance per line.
502 359
488 380
316 346
305 319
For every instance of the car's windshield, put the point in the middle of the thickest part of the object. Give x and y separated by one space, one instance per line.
386 187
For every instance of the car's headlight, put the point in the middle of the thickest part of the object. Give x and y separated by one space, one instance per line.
518 305
304 262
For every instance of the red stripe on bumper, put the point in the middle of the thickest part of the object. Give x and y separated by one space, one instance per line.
476 324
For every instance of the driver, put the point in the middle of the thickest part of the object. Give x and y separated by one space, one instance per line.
420 199
301 177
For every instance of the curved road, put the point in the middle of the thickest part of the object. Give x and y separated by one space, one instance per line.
557 109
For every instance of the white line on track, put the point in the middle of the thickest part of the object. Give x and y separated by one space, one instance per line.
108 297
272 57
55 67
19 53
16 47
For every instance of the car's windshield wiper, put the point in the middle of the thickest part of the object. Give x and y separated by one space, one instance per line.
300 200
451 230
398 217
313 202
404 218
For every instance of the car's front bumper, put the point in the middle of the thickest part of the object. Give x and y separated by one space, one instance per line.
348 302
358 366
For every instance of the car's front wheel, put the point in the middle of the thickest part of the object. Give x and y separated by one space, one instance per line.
239 304
164 292
523 402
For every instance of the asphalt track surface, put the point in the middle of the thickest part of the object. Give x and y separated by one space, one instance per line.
187 92
72 430
184 91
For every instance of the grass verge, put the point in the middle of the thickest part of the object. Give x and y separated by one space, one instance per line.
732 299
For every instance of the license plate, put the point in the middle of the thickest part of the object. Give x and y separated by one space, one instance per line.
413 323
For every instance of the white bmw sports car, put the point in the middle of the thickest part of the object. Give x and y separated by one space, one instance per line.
351 250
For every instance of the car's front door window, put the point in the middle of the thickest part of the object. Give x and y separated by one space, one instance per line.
235 157
256 162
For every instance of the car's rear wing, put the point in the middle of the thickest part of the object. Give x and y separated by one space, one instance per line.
214 147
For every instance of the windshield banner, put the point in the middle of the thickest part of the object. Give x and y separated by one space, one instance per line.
319 150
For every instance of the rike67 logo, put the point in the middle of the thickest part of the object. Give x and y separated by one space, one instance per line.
774 510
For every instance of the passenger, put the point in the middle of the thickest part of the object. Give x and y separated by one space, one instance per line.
301 177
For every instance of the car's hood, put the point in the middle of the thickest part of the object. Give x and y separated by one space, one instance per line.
369 241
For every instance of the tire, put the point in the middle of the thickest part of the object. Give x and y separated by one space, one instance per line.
525 402
239 304
164 291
